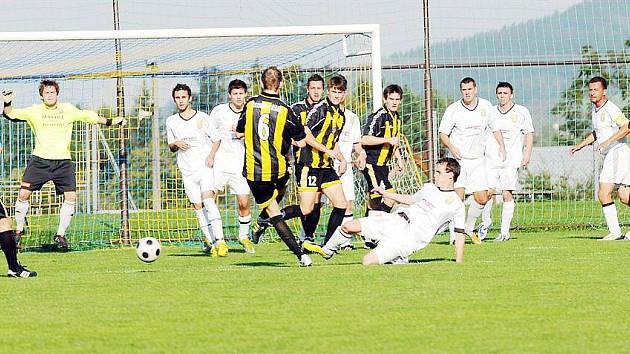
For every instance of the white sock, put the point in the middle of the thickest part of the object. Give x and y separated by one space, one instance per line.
474 210
204 225
65 216
346 218
610 213
243 226
486 215
506 216
214 217
337 239
21 209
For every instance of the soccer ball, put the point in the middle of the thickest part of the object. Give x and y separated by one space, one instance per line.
148 249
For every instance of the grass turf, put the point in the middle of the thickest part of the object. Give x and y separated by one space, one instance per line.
560 291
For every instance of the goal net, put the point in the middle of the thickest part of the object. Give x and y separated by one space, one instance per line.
128 183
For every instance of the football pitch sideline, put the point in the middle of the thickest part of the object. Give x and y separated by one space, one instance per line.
548 291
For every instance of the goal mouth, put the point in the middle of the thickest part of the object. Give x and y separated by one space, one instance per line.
133 73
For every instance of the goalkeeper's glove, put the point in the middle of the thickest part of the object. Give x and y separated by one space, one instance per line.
8 96
116 121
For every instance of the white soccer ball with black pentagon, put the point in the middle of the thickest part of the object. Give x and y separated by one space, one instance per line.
148 249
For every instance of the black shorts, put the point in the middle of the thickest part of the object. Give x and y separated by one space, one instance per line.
377 176
3 211
265 192
311 179
39 171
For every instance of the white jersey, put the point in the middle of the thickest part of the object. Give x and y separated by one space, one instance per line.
607 120
513 125
350 134
434 209
195 131
467 128
231 154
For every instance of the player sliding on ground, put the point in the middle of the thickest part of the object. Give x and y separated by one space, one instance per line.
610 126
51 122
190 135
410 228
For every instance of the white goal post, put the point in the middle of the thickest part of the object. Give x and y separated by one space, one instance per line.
372 29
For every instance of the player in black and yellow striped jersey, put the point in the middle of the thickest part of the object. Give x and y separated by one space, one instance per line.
315 171
269 127
315 92
381 137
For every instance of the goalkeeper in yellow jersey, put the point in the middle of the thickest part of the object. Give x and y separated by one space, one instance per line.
52 124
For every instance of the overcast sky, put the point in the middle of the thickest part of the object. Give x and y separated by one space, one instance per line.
401 21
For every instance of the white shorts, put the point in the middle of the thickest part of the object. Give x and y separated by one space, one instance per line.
472 176
347 183
236 182
616 168
392 234
503 178
200 181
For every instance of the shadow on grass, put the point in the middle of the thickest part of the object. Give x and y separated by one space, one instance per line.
586 237
429 260
200 254
263 264
48 248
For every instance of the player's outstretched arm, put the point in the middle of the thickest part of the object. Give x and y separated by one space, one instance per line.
8 96
590 138
460 240
112 121
398 198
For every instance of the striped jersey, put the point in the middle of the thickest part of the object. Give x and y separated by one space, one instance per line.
326 121
269 126
300 109
383 124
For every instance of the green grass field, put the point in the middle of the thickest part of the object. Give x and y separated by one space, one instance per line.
560 291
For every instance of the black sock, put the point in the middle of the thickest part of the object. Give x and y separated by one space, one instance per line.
291 211
309 224
334 221
286 235
384 207
7 242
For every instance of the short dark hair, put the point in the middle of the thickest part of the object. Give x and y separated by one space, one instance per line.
48 83
181 87
504 84
315 77
599 79
467 80
451 166
393 88
237 84
271 78
338 81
